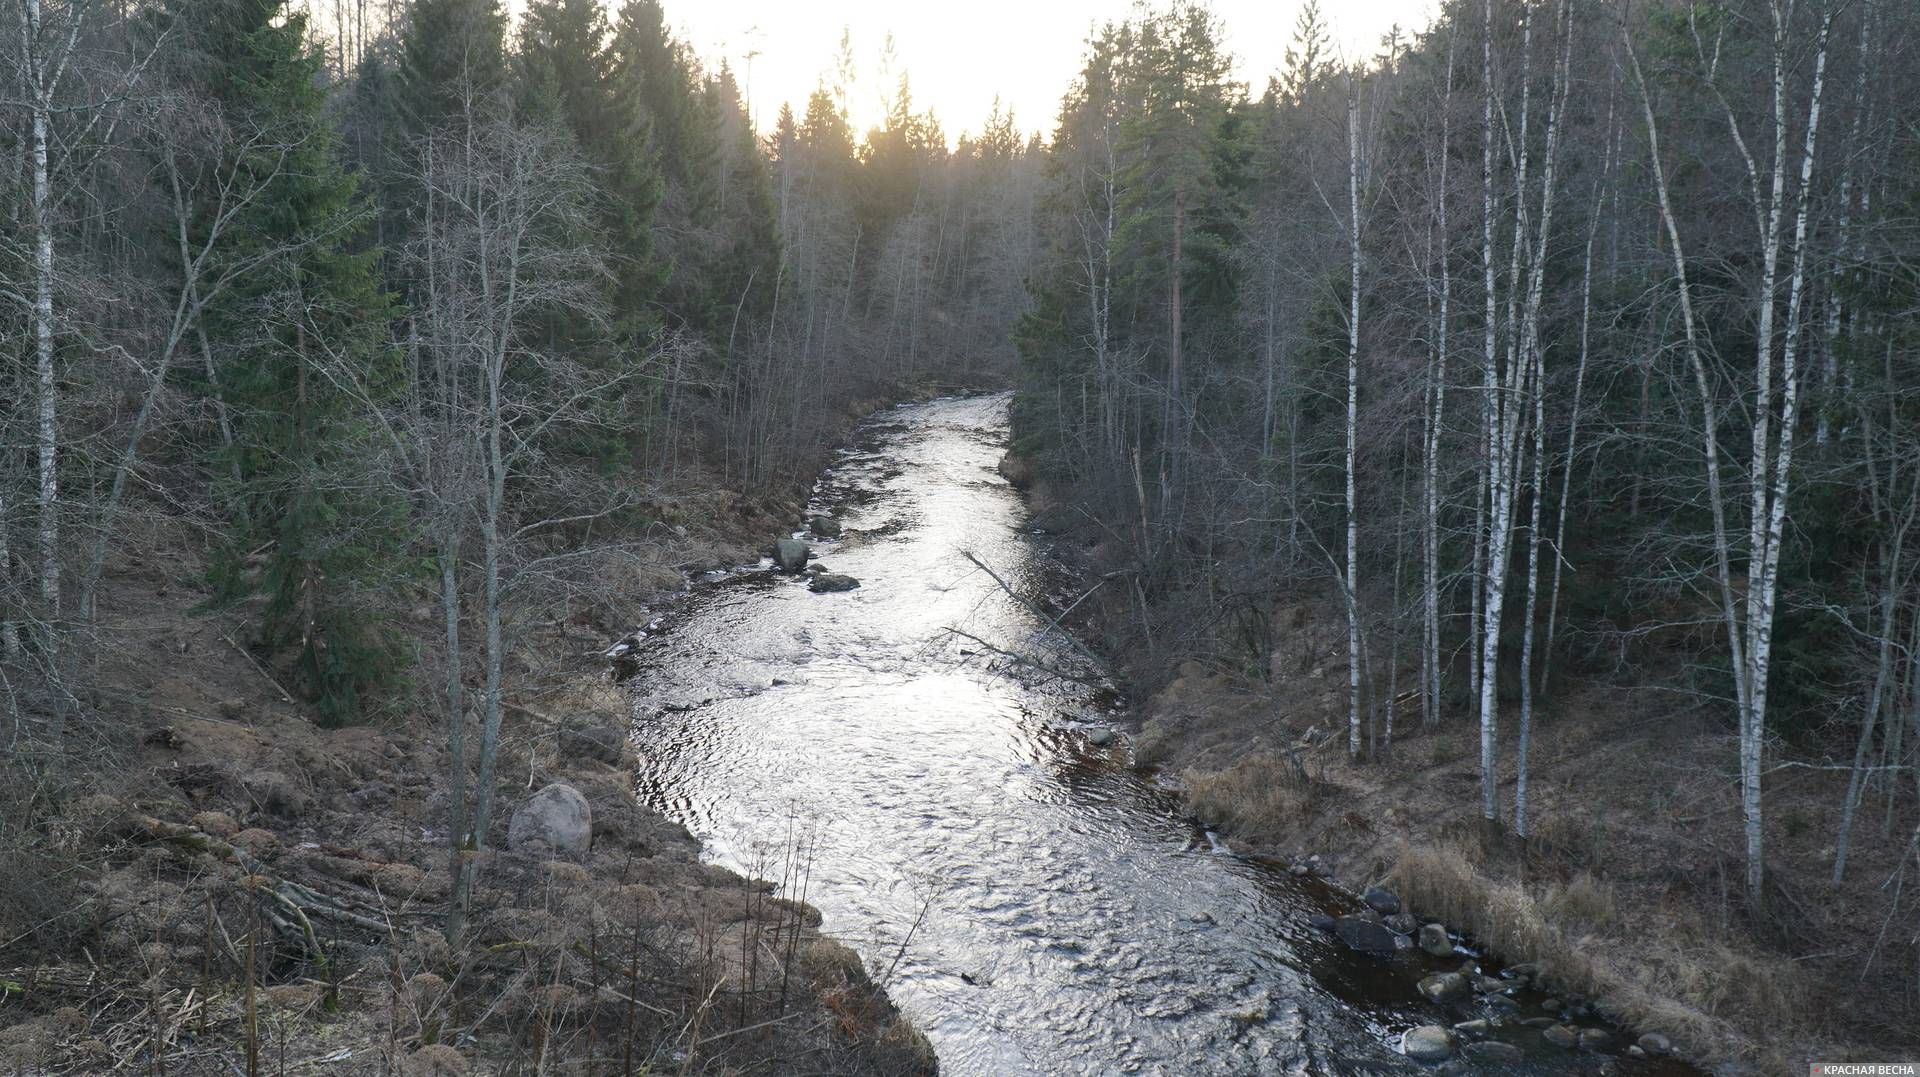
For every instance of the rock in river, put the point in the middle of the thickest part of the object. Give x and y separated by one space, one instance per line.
1433 939
791 554
1381 901
1444 987
1562 1036
1401 923
1364 935
556 818
1100 736
824 526
828 581
1493 1052
1428 1043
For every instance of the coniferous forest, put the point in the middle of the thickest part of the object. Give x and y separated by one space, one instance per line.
1486 463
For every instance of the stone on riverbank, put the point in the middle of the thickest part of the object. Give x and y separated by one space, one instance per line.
1364 935
1381 901
1655 1044
1428 1043
828 582
1433 939
824 526
556 819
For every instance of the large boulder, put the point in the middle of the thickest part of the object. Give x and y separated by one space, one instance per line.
555 821
1655 1044
1365 935
824 526
1428 1043
791 554
828 582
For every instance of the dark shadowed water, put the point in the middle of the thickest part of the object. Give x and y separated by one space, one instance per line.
1069 918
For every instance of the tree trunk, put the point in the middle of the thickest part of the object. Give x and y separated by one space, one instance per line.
47 440
1353 415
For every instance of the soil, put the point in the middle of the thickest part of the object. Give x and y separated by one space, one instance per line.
1627 889
1627 892
222 878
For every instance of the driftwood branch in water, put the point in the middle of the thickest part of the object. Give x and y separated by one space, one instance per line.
1022 659
1035 610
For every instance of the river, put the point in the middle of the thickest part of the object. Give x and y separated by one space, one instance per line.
1032 902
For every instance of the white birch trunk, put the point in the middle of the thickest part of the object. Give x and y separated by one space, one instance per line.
1353 415
1436 425
47 425
1772 476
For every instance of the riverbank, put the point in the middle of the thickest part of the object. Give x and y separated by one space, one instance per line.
1627 895
241 883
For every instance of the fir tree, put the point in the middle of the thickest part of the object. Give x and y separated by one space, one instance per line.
299 347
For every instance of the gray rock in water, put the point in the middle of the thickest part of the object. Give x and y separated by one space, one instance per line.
1364 935
791 554
1562 1036
1433 939
1401 923
1321 921
1655 1044
1502 1004
1381 901
1100 736
556 820
1478 1028
1445 987
1428 1043
1594 1039
828 582
1494 1052
824 526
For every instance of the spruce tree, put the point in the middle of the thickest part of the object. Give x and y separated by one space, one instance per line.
299 352
452 55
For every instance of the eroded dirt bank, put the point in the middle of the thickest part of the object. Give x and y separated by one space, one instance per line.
229 887
1625 900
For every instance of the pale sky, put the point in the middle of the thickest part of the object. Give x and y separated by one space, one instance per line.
959 55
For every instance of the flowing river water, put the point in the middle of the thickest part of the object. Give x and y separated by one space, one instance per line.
1032 902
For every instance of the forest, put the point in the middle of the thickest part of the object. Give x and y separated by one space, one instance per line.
1551 364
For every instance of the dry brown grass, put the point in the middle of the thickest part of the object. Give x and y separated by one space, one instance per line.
1641 973
1260 796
